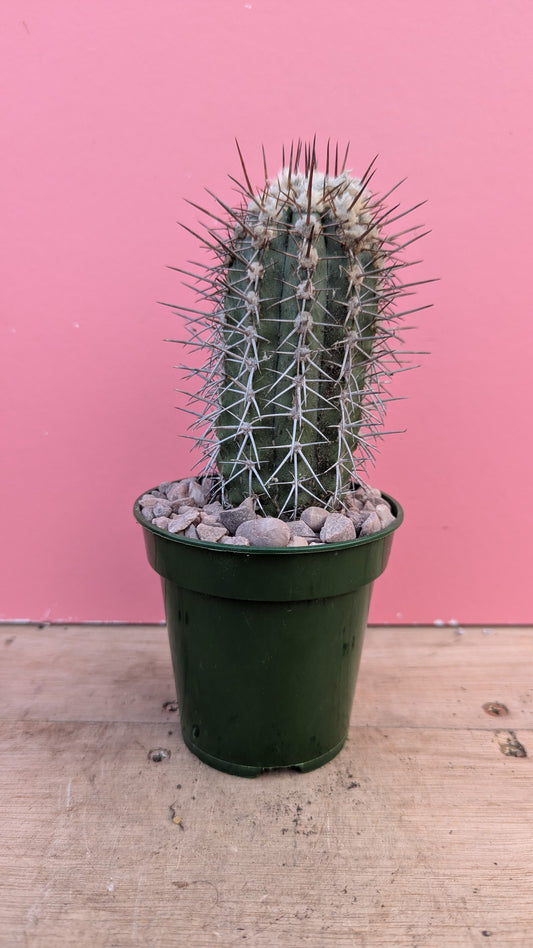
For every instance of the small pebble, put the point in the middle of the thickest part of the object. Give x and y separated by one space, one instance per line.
191 533
357 517
162 509
299 528
353 501
385 514
371 525
183 502
314 517
148 500
234 541
161 522
213 509
175 505
297 541
234 516
337 529
210 533
211 519
178 491
180 522
265 531
370 504
196 494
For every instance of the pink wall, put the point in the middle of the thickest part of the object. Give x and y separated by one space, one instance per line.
112 113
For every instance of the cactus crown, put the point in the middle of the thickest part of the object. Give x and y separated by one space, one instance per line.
298 328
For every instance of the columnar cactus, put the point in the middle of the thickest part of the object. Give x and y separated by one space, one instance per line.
300 334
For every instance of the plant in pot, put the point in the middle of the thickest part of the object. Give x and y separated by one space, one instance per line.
268 556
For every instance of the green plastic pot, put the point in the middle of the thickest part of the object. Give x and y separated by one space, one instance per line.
266 644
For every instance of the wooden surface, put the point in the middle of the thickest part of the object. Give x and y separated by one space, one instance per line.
420 833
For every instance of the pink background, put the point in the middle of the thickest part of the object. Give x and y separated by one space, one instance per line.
112 113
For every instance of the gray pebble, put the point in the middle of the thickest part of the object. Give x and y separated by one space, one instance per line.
162 509
209 533
148 500
314 517
298 541
357 517
213 508
353 501
371 525
176 504
234 541
337 529
148 513
385 514
265 531
370 504
191 533
210 519
234 516
299 528
196 494
180 522
161 522
178 491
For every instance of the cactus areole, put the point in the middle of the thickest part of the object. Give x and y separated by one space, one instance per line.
298 329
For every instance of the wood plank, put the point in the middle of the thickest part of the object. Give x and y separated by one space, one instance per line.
85 673
410 837
409 677
417 834
435 677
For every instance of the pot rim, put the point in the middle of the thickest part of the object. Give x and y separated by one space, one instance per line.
230 549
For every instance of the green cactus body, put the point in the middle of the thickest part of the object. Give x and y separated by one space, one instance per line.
300 339
298 335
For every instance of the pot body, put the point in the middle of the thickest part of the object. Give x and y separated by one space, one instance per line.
266 644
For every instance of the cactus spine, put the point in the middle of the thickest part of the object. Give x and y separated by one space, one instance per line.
300 329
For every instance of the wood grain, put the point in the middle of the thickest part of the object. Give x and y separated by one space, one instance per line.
409 676
417 834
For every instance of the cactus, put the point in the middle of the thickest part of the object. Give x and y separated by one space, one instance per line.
300 328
